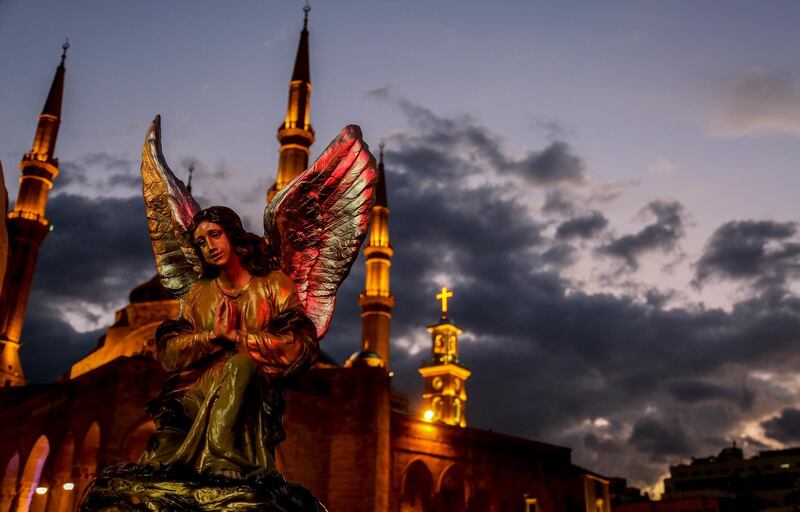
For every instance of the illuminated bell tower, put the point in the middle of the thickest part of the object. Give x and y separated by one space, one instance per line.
27 228
445 396
296 134
377 300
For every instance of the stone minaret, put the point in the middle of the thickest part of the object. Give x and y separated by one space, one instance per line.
27 228
444 398
295 133
376 300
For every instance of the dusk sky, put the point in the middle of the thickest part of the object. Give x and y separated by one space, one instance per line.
610 188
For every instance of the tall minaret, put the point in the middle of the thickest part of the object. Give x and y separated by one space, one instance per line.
444 398
295 133
27 227
376 300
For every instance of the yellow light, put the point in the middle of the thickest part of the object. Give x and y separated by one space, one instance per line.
428 416
68 486
41 490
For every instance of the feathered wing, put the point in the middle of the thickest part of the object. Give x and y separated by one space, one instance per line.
3 229
170 209
317 222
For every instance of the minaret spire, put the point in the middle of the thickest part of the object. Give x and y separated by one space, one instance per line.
377 300
27 228
295 133
189 183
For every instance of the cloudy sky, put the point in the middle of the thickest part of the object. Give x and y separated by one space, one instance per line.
610 189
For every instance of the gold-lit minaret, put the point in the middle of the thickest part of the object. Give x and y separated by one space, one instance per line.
377 300
445 396
295 133
27 228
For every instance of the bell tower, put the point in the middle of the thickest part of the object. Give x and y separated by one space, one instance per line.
295 133
445 396
27 228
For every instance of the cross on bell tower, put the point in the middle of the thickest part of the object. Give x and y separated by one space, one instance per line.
445 397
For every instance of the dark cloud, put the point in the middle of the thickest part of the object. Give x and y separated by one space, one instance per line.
463 135
584 226
784 427
554 164
661 438
51 345
662 234
596 443
694 391
758 251
759 100
557 202
100 173
98 249
560 255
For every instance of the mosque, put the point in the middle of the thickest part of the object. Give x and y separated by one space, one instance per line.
351 437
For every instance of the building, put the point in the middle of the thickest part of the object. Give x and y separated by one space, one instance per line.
351 438
767 481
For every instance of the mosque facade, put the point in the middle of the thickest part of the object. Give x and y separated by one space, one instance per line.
351 438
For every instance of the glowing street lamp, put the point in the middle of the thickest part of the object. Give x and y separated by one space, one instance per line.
68 486
41 490
428 416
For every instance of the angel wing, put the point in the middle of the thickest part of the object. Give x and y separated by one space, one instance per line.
317 222
3 229
170 209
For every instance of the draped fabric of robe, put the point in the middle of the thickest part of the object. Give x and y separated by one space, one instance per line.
222 405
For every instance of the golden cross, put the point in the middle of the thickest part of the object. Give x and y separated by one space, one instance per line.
443 297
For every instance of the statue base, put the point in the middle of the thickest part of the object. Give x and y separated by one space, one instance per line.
131 487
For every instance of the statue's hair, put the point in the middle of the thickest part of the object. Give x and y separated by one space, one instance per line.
253 251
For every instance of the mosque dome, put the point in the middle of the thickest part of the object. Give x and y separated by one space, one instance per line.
150 291
365 358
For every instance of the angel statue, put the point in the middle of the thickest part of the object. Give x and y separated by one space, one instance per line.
253 310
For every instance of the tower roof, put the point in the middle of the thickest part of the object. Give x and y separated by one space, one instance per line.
301 67
52 106
380 188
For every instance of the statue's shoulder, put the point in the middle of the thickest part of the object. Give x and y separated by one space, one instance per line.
199 288
276 283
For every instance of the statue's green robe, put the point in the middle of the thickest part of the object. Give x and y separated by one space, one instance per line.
222 404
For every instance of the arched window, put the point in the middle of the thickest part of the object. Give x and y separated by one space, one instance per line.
85 467
62 493
481 500
452 490
32 474
136 440
9 488
417 488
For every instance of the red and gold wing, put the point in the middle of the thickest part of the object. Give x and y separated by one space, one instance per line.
317 222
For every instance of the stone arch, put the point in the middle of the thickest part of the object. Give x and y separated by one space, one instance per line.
85 467
31 475
135 439
452 490
482 500
9 487
416 491
61 499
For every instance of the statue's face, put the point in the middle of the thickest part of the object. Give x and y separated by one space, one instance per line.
214 244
